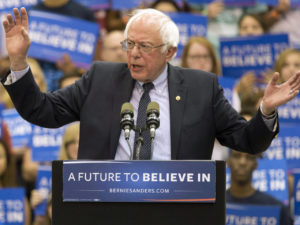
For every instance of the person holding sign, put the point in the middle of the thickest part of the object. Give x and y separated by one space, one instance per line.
241 190
193 110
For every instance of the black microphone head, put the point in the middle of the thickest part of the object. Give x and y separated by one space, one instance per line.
127 108
153 107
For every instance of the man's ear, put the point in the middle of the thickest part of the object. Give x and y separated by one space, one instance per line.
170 53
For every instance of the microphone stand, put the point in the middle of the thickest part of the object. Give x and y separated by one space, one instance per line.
152 147
131 152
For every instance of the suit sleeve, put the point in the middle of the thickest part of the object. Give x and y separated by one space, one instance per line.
235 132
52 109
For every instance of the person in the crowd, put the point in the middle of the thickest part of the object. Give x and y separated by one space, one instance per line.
223 20
241 190
69 147
7 167
199 54
8 175
36 199
287 63
68 151
111 50
251 24
192 106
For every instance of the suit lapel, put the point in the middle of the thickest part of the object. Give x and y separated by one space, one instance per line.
177 95
123 90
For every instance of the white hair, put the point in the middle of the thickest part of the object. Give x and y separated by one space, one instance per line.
167 28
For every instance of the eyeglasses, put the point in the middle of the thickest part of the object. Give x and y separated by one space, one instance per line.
128 45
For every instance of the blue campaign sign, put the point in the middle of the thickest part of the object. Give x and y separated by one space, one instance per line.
228 85
43 185
270 178
95 4
8 5
254 53
129 4
226 2
12 208
52 35
139 181
268 2
19 129
290 112
189 25
46 143
297 194
286 146
275 2
252 214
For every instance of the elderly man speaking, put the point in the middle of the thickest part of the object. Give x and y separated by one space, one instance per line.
193 110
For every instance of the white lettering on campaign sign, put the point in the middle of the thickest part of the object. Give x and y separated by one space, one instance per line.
110 181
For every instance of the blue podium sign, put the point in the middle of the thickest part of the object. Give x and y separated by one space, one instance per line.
252 214
254 53
139 181
12 207
52 35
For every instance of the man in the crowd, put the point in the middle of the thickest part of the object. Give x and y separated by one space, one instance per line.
241 190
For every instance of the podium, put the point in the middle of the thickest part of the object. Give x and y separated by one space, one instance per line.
137 213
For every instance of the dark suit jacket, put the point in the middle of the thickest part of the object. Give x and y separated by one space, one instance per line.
201 114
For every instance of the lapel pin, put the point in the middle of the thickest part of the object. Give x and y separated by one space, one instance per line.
177 98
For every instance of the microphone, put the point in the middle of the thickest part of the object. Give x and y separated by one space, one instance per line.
152 120
127 122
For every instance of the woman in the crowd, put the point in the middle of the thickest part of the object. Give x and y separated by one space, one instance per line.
68 151
69 147
251 24
287 64
8 175
199 54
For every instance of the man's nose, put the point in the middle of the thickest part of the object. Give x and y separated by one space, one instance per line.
135 51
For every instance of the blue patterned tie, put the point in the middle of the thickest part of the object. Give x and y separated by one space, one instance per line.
145 151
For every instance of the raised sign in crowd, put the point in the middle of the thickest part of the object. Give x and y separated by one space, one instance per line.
242 41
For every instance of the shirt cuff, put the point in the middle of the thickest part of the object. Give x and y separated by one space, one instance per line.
270 120
14 76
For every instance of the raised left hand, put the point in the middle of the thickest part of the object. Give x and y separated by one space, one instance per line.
276 95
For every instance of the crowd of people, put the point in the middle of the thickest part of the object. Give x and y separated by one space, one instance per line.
200 53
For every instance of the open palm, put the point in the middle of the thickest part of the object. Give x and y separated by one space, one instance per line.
276 95
17 39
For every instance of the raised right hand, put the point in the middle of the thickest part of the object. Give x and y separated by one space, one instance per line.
17 38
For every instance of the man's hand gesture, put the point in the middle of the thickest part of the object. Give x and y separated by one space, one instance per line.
276 95
17 38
